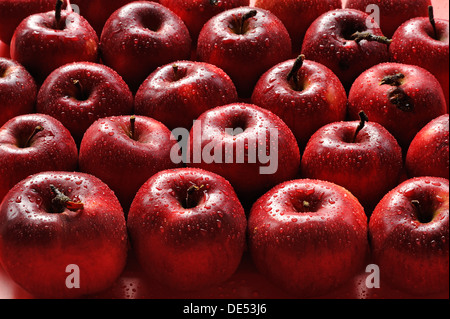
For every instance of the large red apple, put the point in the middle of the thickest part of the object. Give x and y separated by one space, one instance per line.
62 235
33 143
308 236
409 235
245 42
178 93
125 151
187 228
18 90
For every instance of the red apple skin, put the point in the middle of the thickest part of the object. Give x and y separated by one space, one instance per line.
244 57
41 47
53 148
414 43
187 249
257 123
37 244
428 154
412 253
191 90
321 100
142 36
368 167
102 93
124 161
18 90
328 41
195 13
4 50
392 13
424 95
297 16
308 252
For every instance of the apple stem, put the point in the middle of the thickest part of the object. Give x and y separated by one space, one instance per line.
245 17
359 36
132 126
191 191
393 80
62 201
363 119
58 8
214 2
293 74
432 21
36 130
175 69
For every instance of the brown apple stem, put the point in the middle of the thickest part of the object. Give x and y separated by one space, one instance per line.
175 69
293 74
393 80
62 201
132 126
36 130
58 8
359 36
363 119
214 2
191 200
432 21
245 17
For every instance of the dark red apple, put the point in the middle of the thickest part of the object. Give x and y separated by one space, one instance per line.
308 236
45 41
18 90
33 143
402 98
409 235
424 42
79 93
347 41
361 156
245 42
62 235
249 146
125 151
305 94
428 154
187 229
141 36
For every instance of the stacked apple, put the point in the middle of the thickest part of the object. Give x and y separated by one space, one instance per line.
186 132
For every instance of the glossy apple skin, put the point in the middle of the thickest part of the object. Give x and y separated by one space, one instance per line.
328 41
103 93
321 100
195 88
308 252
244 57
41 47
18 90
369 95
368 167
392 13
50 149
297 16
413 255
415 40
428 154
187 248
37 244
245 177
195 13
122 162
141 36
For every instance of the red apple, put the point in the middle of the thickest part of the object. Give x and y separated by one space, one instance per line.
402 98
308 236
347 41
245 42
187 228
141 36
45 41
187 88
31 144
249 146
79 93
125 152
424 42
391 13
362 157
56 227
195 13
305 94
297 16
409 235
428 154
18 90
